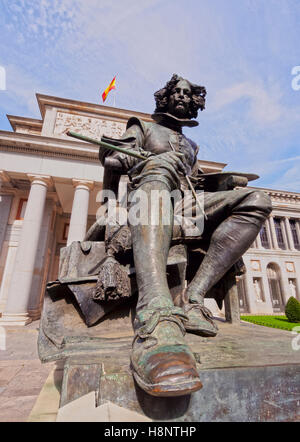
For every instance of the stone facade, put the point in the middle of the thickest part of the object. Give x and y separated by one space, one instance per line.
49 188
273 261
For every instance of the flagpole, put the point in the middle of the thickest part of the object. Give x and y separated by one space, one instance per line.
114 97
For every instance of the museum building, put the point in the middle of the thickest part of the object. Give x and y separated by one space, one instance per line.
49 196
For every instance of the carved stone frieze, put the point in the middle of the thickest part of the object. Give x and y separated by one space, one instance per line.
89 126
283 197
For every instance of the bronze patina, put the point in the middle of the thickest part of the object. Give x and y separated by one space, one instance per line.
161 360
165 160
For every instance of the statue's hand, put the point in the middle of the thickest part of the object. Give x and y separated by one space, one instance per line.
169 164
124 162
174 159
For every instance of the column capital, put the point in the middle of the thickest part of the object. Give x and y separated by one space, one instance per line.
43 179
4 177
83 183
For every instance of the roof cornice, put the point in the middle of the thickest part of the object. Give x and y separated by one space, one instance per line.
23 121
81 106
279 193
49 146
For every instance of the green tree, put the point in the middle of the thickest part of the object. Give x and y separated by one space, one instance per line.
292 310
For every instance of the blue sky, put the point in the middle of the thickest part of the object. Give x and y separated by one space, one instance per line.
243 51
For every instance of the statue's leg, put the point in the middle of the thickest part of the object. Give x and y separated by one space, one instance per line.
151 244
229 241
162 363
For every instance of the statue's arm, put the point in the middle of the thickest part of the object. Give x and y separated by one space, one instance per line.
115 164
119 163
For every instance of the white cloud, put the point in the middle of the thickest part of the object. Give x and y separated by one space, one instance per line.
290 179
73 48
21 89
264 105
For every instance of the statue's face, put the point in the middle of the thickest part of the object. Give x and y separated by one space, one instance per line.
180 99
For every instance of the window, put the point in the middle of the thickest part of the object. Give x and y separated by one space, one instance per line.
274 279
264 237
279 235
290 267
21 209
295 233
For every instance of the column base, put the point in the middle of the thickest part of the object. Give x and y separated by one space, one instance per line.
15 319
35 315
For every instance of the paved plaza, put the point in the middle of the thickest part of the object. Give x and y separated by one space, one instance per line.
22 375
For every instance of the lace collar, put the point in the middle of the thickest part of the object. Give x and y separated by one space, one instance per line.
171 121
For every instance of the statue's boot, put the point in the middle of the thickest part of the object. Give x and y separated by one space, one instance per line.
162 363
228 243
200 319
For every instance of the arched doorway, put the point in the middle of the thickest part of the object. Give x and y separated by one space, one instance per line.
273 273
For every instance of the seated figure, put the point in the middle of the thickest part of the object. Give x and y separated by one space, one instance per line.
162 363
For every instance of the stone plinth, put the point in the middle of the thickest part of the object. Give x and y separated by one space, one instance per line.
249 372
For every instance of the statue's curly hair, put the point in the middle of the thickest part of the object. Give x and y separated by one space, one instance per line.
197 101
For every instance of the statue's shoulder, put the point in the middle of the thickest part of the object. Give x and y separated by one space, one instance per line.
144 125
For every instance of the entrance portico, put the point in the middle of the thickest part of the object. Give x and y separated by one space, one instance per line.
16 311
36 221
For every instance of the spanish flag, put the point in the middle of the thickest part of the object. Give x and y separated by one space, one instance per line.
109 88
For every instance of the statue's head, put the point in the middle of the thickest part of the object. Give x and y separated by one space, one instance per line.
180 98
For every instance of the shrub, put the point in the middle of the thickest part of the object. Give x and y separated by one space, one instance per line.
292 310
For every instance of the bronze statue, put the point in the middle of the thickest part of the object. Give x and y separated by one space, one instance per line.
162 363
161 360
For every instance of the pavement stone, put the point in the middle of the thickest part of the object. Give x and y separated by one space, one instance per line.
47 404
22 375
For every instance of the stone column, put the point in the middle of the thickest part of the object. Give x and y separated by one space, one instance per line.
298 229
258 239
289 233
78 222
267 224
5 206
41 263
16 310
285 239
273 232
